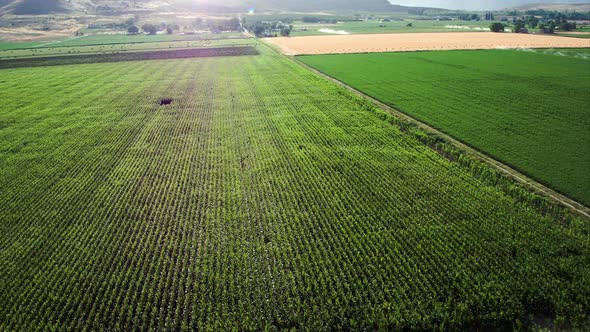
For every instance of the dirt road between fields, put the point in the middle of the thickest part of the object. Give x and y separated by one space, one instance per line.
400 42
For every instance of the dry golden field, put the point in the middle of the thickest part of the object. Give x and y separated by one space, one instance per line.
420 42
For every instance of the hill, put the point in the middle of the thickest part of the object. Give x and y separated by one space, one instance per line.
579 7
310 6
36 7
31 6
40 7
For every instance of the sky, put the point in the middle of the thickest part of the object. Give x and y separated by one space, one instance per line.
477 4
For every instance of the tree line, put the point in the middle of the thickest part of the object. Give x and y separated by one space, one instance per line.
213 25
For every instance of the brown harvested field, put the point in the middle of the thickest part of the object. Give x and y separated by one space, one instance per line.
400 42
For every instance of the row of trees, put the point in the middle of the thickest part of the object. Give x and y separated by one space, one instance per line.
552 15
549 26
152 29
216 25
533 22
270 29
469 17
232 24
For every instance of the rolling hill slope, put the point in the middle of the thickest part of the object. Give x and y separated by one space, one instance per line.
580 7
32 7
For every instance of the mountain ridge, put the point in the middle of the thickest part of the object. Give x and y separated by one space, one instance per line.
32 7
581 7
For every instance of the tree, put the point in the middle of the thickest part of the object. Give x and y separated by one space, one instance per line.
150 28
169 30
532 21
259 29
409 25
197 23
517 27
286 31
234 24
565 26
133 30
497 27
310 19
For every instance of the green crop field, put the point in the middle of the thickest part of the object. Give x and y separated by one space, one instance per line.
106 39
572 35
119 48
12 45
115 41
374 26
128 56
261 197
530 110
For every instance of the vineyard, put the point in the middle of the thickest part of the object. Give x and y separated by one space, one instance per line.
528 108
261 196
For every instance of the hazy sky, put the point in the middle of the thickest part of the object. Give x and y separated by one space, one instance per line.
477 4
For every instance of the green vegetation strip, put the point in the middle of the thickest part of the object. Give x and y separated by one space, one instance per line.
374 26
261 197
106 39
131 56
526 108
114 48
14 45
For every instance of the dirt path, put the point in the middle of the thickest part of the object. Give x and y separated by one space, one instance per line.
514 174
399 42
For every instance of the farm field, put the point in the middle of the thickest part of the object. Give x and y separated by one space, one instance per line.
106 39
128 56
143 38
529 109
261 197
375 43
119 48
12 45
370 27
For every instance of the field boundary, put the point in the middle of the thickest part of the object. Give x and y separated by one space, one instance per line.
504 169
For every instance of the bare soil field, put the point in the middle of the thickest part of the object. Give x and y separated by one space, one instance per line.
28 34
420 42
